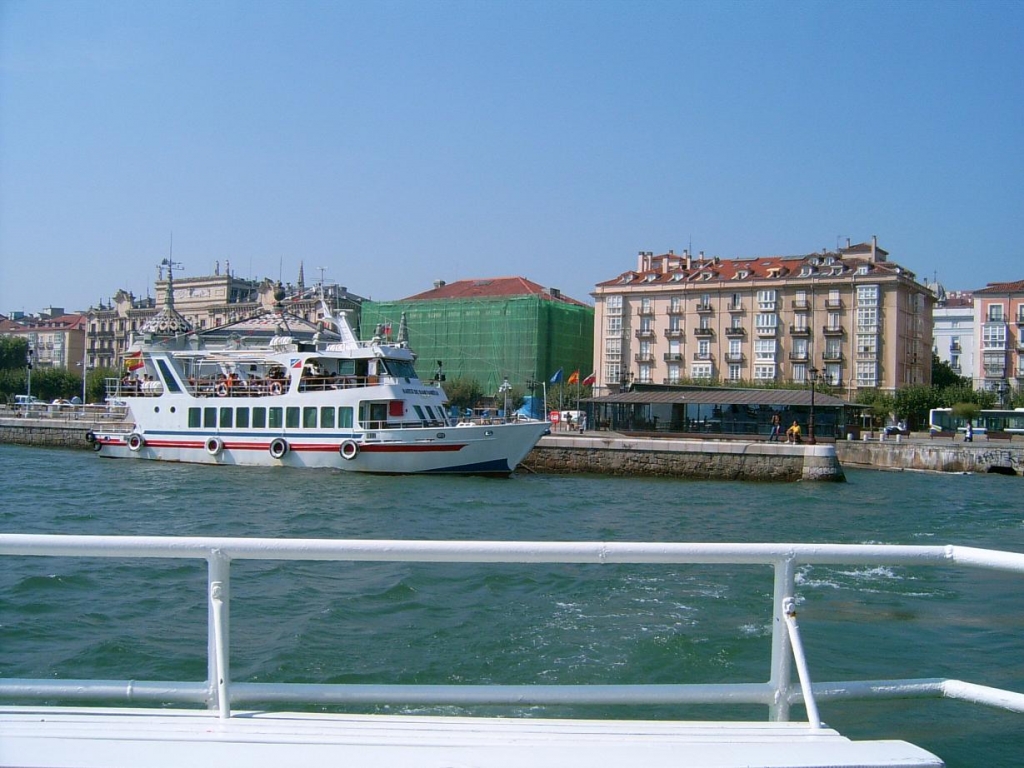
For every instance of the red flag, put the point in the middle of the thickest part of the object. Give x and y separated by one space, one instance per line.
590 379
575 378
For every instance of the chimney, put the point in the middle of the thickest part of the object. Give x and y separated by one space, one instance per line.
556 293
689 259
439 284
640 261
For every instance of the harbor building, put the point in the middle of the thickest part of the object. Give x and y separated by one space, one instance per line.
491 330
999 324
849 317
55 337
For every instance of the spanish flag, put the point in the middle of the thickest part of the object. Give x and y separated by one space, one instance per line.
575 378
133 361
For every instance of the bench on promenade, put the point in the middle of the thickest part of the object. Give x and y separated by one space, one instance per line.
999 435
942 433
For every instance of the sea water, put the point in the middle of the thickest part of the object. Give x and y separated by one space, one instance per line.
521 624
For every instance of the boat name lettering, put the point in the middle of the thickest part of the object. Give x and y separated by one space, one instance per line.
427 392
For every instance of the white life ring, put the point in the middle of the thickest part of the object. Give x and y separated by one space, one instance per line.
349 450
276 388
222 390
278 447
135 441
214 446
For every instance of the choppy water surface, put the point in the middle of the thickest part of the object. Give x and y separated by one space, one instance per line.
387 622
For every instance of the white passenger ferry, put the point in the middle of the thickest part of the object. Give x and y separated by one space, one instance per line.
276 389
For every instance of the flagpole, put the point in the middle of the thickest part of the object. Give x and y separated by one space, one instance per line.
546 414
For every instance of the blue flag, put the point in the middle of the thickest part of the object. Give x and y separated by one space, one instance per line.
557 377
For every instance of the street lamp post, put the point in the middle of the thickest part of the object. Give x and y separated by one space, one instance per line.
28 362
813 374
505 388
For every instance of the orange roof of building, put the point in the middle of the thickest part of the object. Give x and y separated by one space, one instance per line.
492 288
1017 286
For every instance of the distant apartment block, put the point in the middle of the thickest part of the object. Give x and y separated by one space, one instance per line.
953 329
999 334
851 316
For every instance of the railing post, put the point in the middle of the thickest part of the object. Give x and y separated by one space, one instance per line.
219 631
782 652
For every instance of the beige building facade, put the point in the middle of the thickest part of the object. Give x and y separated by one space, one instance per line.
999 329
851 317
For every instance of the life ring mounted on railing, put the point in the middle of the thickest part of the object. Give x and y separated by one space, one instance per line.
276 388
214 446
278 447
222 390
135 441
349 450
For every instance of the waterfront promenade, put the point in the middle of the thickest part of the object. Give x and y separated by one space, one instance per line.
600 452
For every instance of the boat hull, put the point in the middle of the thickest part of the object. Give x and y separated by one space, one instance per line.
472 449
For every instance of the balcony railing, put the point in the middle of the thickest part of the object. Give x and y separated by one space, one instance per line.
832 357
644 357
735 357
736 307
674 333
833 330
646 333
801 304
833 303
799 330
799 357
736 330
645 311
703 332
673 357
702 356
675 310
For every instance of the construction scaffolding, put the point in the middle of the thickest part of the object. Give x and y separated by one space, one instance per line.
524 338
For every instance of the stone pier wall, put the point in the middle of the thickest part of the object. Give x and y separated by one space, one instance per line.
934 455
696 459
47 432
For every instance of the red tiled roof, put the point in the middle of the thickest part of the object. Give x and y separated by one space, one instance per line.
1017 286
491 288
741 270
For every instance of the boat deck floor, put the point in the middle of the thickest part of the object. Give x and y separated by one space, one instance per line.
34 737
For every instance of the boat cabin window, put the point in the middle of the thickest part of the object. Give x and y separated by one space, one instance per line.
165 373
400 369
195 418
210 418
291 417
242 417
327 417
373 414
309 417
276 420
345 417
259 418
227 417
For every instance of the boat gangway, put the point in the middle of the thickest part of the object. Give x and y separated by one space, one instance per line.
219 721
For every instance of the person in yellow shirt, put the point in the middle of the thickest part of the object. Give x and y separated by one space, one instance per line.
793 433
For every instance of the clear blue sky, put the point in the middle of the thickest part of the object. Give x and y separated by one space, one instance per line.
397 143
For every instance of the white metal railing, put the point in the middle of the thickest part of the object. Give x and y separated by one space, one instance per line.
778 694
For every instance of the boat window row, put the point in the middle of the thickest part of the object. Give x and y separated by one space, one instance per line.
291 417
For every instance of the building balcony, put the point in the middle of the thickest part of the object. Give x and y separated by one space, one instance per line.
704 309
673 357
735 357
995 372
702 356
832 357
676 310
799 357
641 357
803 304
736 331
674 333
954 346
703 332
799 330
833 330
833 303
736 308
648 333
645 312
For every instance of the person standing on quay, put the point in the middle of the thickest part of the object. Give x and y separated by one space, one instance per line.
776 428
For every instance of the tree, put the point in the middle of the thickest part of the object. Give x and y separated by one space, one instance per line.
943 374
968 411
913 403
463 393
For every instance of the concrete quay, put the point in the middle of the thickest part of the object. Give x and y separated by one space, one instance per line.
923 453
605 453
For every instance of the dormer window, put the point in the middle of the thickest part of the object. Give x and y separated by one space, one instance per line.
773 272
862 270
806 270
829 261
742 274
650 278
836 270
